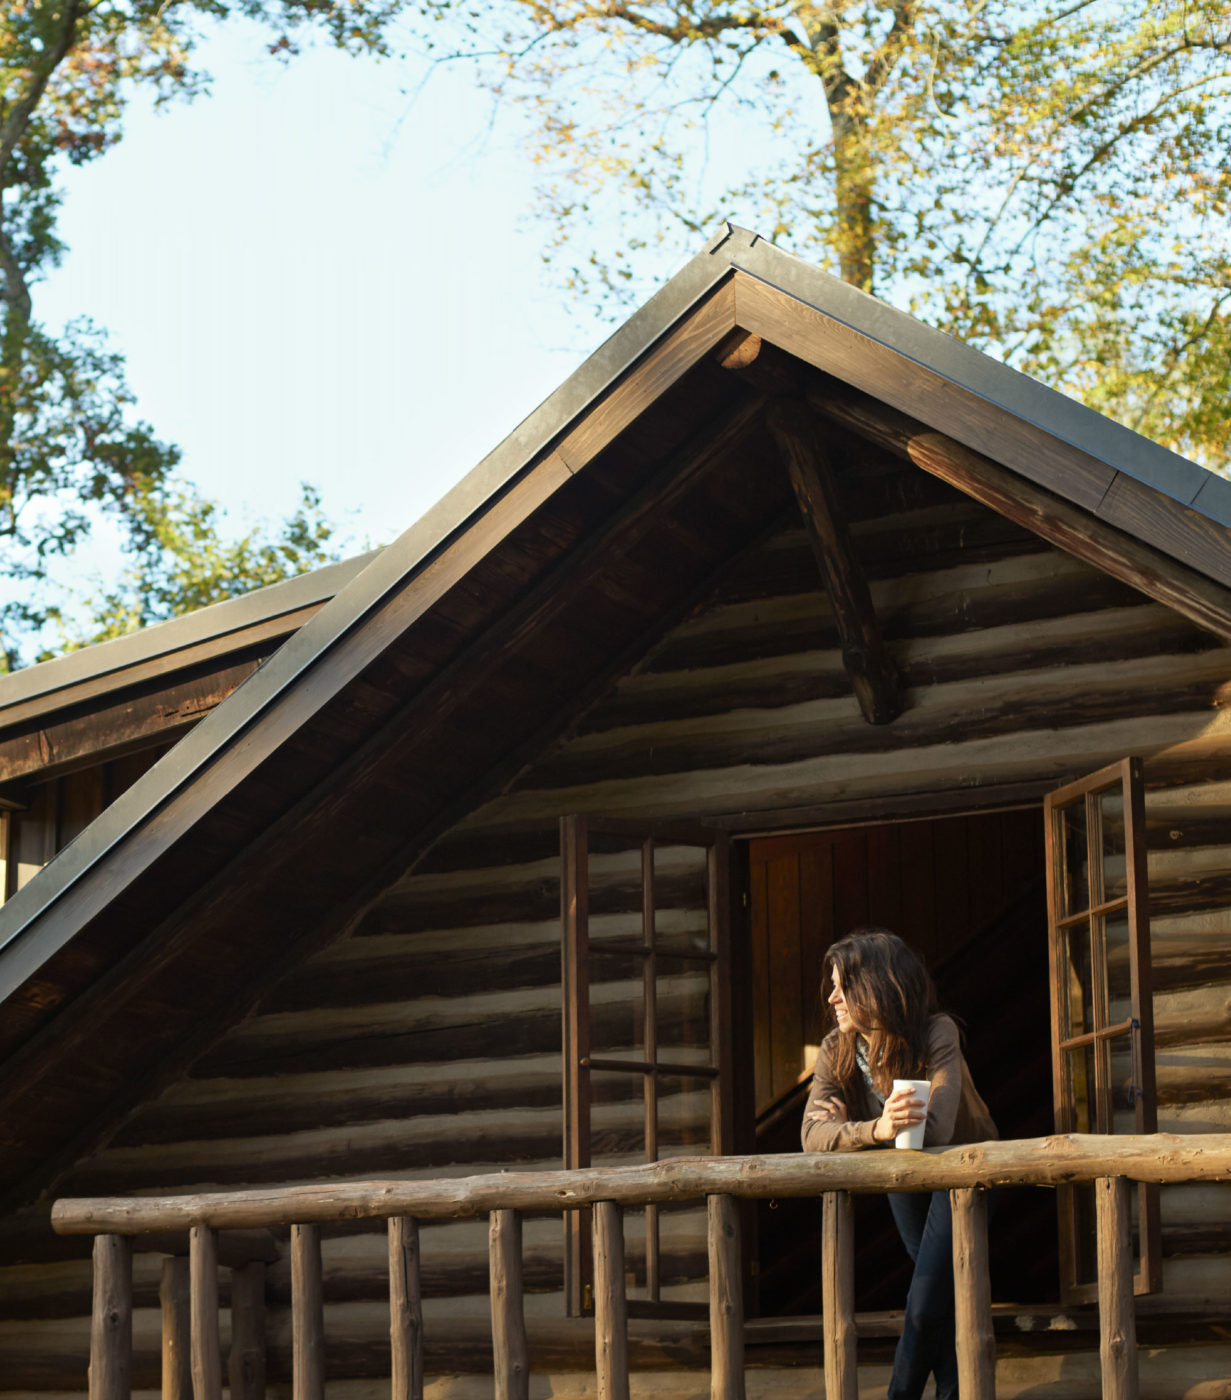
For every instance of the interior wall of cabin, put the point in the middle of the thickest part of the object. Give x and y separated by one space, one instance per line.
967 893
427 1042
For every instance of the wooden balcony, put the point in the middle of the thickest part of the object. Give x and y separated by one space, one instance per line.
191 1346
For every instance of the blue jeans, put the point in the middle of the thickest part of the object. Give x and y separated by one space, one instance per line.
928 1345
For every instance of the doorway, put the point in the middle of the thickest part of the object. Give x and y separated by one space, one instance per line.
968 893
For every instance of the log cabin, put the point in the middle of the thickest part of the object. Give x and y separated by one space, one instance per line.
514 849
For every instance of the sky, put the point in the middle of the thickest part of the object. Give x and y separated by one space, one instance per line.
326 272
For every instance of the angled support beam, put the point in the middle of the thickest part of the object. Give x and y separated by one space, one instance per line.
871 669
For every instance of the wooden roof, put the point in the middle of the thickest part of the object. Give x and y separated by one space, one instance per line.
145 687
481 634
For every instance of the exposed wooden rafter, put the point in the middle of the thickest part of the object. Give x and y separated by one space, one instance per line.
873 675
1059 522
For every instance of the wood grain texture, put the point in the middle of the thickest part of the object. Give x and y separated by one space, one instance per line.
111 1319
726 1299
132 723
610 1303
405 1309
307 1314
873 674
1117 1320
1048 1161
1051 513
972 1293
175 1308
205 1341
509 1347
246 1363
838 1296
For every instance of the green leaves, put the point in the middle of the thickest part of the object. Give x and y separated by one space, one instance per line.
71 451
1049 181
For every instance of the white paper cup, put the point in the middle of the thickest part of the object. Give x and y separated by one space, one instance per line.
921 1089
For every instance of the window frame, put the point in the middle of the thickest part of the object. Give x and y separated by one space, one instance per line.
579 1064
1133 905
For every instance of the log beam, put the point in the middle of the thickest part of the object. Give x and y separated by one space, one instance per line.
205 1345
838 1296
173 1295
873 674
610 1303
1047 1161
972 1296
510 1350
405 1309
111 1322
307 1314
1117 1320
1058 521
726 1300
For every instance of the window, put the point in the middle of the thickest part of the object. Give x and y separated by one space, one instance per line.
647 1017
1102 1014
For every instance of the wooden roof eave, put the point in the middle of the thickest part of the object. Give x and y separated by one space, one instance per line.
671 333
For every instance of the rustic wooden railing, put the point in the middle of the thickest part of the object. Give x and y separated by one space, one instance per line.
1111 1163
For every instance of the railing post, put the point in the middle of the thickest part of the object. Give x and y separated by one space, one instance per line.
206 1347
1117 1319
726 1300
111 1322
972 1296
246 1364
307 1315
610 1303
838 1296
509 1347
173 1292
405 1309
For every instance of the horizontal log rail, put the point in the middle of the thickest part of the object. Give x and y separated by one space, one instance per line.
965 1172
1047 1161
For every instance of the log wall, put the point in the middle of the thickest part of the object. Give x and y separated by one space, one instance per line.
428 1042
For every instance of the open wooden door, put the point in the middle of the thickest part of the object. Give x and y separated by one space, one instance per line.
647 1028
1102 1006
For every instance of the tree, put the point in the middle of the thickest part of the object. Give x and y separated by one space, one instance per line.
1047 181
70 447
179 562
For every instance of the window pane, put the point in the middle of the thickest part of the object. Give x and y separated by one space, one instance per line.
1124 1091
1080 1083
617 1000
683 987
1074 894
681 899
1119 968
1076 980
685 1116
615 889
617 1119
1110 807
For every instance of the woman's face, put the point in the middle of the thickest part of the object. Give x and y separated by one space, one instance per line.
837 1000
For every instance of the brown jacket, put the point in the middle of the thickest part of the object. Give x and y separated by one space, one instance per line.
956 1113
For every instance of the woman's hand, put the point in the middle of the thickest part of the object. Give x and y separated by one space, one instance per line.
902 1110
830 1111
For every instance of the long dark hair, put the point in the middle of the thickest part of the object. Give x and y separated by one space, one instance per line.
890 998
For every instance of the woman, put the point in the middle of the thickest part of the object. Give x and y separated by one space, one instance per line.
888 1028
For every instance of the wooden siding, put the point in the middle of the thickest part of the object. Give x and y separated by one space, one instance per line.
428 1042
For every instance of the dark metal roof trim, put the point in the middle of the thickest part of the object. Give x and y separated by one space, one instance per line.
389 570
1055 413
179 633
